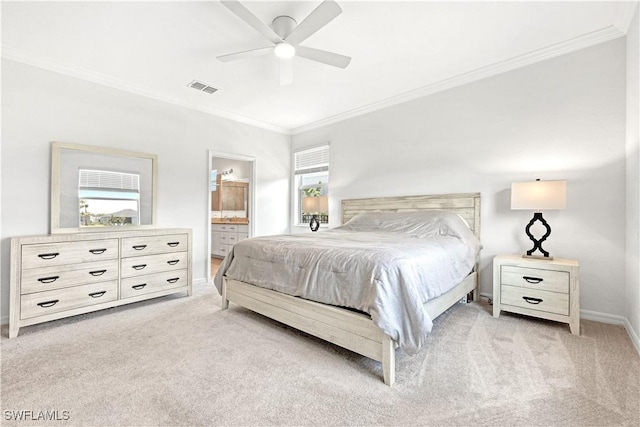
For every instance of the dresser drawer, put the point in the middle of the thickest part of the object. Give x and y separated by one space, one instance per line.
46 255
149 264
230 227
535 278
228 238
43 303
140 285
149 245
534 299
224 249
57 277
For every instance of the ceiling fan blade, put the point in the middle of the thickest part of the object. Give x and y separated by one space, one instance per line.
323 56
245 54
247 16
286 71
317 19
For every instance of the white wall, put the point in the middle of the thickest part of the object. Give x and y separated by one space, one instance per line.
40 106
632 291
559 119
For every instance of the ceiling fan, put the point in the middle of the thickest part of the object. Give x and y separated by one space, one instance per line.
285 37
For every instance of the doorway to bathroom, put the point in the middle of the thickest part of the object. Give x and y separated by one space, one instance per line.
231 204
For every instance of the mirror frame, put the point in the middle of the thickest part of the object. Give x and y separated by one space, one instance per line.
56 151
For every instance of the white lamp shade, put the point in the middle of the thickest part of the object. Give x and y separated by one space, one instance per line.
315 204
539 195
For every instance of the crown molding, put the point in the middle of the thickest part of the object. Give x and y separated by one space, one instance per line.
577 43
116 83
625 15
603 35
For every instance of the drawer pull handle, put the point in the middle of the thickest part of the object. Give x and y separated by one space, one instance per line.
530 279
98 251
532 300
139 266
138 287
173 280
48 304
139 247
97 272
50 255
173 262
97 294
49 279
173 244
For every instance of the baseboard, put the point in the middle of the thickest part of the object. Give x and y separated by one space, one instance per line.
597 316
632 334
614 320
487 296
200 281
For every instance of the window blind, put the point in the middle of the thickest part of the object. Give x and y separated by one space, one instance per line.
109 180
312 160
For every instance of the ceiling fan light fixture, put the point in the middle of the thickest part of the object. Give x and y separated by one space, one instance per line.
286 37
284 50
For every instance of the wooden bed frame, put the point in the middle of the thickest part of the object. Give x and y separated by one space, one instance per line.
346 328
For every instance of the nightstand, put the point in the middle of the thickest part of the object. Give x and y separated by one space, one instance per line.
548 289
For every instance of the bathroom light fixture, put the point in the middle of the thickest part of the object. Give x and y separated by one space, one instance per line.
538 196
227 175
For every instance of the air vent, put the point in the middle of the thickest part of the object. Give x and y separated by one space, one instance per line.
202 87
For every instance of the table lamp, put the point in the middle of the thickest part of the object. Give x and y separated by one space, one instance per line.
315 205
538 196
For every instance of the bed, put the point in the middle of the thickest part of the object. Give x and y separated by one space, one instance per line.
361 285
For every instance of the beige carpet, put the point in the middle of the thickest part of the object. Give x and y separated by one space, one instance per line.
183 361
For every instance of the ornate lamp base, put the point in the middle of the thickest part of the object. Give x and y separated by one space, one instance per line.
314 224
537 243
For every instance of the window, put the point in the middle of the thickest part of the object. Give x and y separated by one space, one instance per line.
311 179
108 198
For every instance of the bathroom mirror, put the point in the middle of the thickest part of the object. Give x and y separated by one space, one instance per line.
230 200
101 189
230 190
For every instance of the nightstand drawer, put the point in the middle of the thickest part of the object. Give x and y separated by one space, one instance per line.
534 299
535 278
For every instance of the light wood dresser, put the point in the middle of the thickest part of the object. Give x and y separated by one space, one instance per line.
547 289
62 275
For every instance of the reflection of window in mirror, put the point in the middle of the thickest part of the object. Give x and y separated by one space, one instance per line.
215 186
214 180
108 198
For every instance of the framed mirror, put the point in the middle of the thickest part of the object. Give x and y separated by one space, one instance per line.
101 189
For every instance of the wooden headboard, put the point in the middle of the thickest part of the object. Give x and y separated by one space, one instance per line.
467 205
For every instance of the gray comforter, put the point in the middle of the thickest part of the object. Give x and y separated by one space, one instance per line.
385 264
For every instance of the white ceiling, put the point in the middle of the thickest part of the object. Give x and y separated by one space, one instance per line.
400 50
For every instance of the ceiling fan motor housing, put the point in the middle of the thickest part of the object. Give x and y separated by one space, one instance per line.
283 25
